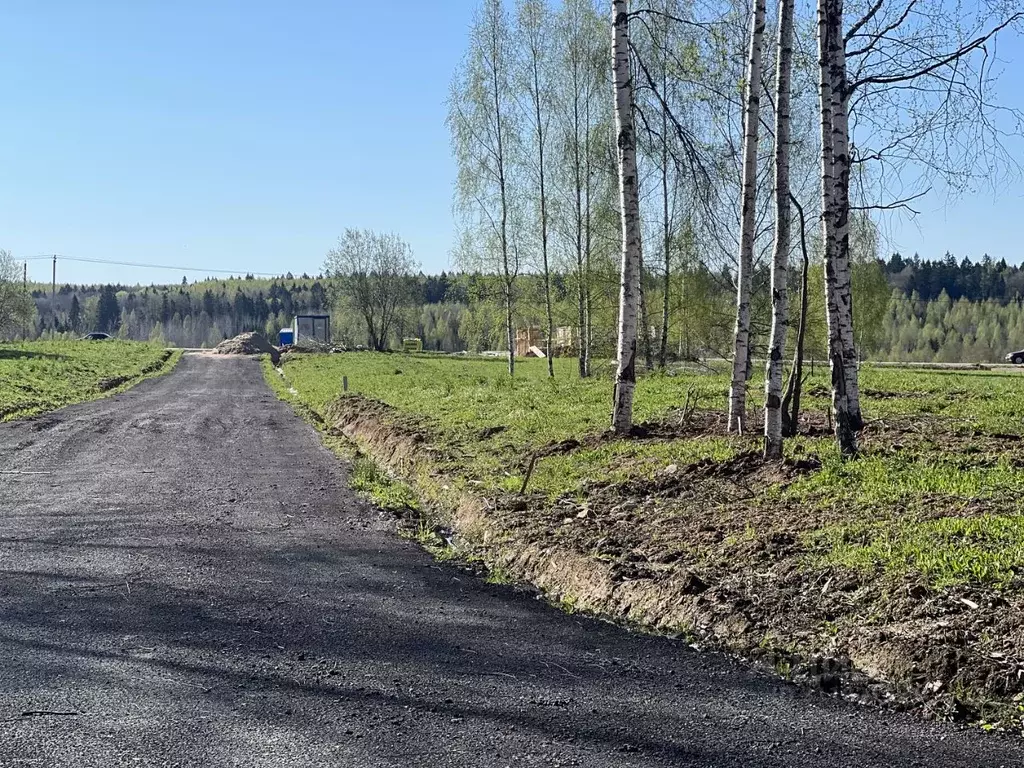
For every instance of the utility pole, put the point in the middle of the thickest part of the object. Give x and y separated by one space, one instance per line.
53 294
24 288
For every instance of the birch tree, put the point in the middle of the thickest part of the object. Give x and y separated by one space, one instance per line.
841 283
667 184
533 34
15 304
484 123
751 124
780 251
920 83
582 62
373 272
791 401
629 203
835 309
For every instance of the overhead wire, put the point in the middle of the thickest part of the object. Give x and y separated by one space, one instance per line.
205 270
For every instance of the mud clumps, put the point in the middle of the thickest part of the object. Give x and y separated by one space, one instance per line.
248 344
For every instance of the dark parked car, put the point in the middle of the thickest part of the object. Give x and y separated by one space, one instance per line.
96 336
1015 357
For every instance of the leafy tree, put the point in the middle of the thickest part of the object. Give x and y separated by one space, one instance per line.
374 274
15 305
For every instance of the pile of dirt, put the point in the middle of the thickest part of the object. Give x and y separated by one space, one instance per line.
248 344
313 345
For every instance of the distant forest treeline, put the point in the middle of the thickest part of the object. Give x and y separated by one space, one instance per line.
983 280
911 308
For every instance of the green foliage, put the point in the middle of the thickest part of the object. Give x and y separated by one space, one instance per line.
108 312
949 331
16 308
41 376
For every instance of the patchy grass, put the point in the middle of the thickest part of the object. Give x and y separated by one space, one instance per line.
36 377
491 424
386 492
950 551
488 426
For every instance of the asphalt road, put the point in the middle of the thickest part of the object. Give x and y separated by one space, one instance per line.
187 581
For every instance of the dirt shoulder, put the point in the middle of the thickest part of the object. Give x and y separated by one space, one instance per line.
722 553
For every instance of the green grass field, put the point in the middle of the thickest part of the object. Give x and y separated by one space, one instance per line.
36 377
940 444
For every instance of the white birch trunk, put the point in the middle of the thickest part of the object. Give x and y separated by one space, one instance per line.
751 116
666 244
629 200
841 203
587 340
543 220
509 275
845 435
666 222
780 251
578 224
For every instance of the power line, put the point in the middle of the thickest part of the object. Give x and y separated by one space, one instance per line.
204 270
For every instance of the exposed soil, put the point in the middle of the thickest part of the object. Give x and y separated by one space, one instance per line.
700 550
250 343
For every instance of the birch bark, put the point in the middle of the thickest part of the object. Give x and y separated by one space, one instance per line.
845 434
508 274
741 336
780 250
629 286
841 203
666 234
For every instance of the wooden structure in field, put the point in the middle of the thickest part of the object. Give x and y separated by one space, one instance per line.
526 338
564 342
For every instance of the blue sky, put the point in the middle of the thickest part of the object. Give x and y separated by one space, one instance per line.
248 135
223 134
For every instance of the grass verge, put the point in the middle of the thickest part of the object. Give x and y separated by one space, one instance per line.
36 377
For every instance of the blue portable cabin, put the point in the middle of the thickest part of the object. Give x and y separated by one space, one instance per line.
286 337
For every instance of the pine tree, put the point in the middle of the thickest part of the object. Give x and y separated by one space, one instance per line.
75 314
108 312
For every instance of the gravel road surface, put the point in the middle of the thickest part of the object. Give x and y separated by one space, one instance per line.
187 581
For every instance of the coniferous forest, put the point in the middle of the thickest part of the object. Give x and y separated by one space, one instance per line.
910 309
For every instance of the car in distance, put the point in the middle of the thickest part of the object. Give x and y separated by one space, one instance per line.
1016 358
96 336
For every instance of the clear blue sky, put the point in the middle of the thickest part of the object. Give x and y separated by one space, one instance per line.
223 133
248 135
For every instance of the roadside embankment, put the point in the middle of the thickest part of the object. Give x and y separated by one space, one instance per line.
892 579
